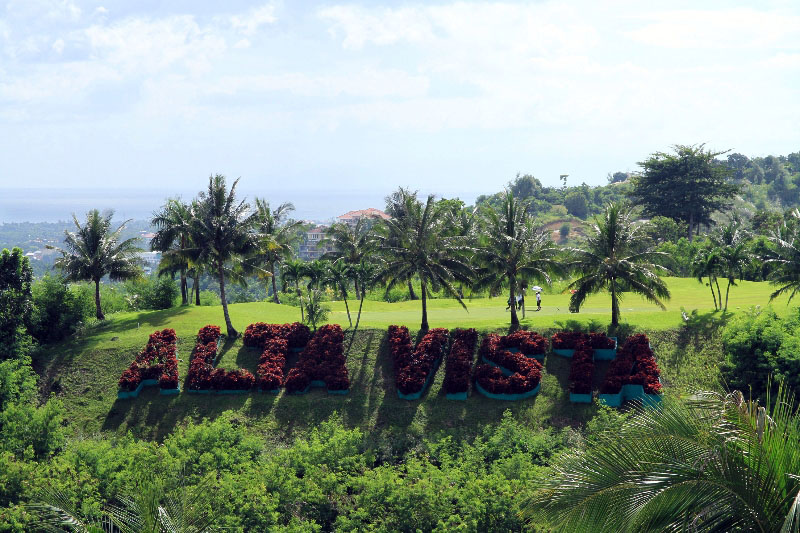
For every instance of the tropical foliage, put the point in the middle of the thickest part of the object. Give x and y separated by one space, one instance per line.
719 462
617 259
93 251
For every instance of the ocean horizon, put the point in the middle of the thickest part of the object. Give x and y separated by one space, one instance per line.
58 204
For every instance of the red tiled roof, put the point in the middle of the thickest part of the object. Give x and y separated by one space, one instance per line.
369 213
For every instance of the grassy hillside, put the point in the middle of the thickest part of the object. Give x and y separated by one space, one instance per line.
83 372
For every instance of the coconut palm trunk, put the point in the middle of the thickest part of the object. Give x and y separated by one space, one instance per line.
196 290
100 315
614 304
512 298
411 293
713 294
424 291
300 295
347 308
184 288
274 284
232 333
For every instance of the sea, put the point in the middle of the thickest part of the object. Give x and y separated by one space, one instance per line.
59 204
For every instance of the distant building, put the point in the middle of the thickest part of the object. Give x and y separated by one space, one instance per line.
312 248
351 218
34 256
150 261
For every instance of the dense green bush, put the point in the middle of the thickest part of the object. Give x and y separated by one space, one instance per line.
758 345
331 479
151 293
57 310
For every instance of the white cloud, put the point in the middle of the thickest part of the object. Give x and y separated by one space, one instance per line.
146 46
248 24
736 28
58 46
366 83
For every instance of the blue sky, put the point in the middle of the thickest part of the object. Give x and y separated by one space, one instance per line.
447 97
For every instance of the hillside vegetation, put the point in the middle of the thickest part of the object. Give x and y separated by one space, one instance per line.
83 372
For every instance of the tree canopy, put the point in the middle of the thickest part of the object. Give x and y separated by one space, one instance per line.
687 185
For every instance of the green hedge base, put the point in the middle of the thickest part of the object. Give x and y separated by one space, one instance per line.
456 395
298 350
606 354
317 383
271 391
417 395
509 397
212 391
124 395
630 393
611 400
580 398
564 352
170 392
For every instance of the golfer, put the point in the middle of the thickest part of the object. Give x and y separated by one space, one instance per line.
538 301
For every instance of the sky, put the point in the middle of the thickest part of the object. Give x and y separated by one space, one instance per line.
332 99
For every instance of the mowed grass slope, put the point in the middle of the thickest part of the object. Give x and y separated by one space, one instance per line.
83 372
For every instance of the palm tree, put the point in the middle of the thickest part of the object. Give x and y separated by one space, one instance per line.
784 258
276 236
94 251
396 208
222 233
339 276
734 256
420 244
514 250
172 225
715 463
706 264
184 511
293 272
351 242
617 259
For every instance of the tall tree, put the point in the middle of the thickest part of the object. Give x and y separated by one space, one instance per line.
734 256
706 263
16 299
616 258
351 243
714 463
514 250
421 244
172 236
276 235
222 231
339 275
784 257
396 208
94 251
293 272
687 185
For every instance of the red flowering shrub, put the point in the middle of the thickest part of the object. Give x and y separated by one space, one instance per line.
526 373
297 381
322 360
295 334
529 343
581 369
201 365
567 340
459 361
157 360
412 368
635 365
599 341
